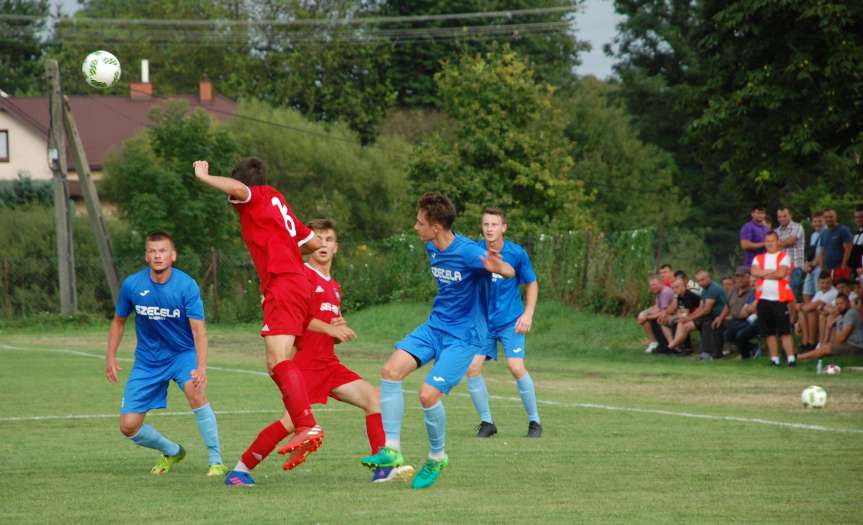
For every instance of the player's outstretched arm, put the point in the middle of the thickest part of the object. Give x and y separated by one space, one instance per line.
199 333
115 335
494 263
233 188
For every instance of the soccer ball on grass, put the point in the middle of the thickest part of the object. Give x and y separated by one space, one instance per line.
813 397
101 69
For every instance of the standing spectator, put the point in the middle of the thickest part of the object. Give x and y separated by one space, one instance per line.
856 261
657 337
752 235
847 337
835 242
687 302
810 284
738 329
791 241
774 295
666 274
709 316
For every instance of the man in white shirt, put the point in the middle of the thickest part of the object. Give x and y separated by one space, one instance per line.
774 295
814 314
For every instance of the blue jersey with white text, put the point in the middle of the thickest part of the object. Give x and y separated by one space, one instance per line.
162 313
504 297
461 287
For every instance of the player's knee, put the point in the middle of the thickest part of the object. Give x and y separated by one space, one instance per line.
129 428
391 372
475 369
429 396
517 368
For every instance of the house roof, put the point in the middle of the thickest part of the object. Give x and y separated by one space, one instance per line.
106 122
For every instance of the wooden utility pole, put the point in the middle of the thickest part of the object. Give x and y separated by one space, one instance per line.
62 217
91 198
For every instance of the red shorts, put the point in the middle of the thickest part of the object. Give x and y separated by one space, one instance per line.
286 304
320 382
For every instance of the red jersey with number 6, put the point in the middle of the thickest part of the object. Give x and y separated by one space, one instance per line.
272 233
317 350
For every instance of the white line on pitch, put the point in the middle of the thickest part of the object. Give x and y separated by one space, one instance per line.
760 421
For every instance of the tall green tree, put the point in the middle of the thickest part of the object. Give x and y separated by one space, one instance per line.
508 147
21 43
553 52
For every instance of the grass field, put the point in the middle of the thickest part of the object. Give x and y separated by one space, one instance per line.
629 437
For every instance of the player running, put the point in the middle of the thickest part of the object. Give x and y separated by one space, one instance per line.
274 237
508 322
172 346
450 336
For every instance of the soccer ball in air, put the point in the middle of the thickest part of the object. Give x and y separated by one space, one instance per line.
813 397
101 69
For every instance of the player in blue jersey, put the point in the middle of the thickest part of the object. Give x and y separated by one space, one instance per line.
172 345
508 322
450 336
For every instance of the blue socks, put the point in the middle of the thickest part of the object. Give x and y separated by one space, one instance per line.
209 432
435 420
149 437
528 397
392 411
479 396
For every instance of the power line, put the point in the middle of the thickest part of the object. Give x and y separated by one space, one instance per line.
303 22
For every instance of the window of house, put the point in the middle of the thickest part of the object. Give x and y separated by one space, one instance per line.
4 145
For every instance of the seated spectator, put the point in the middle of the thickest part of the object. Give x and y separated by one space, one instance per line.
810 313
846 331
666 274
710 316
847 287
727 285
690 284
687 302
739 330
665 302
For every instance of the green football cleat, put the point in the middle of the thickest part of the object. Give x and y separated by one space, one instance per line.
166 462
429 473
386 457
217 469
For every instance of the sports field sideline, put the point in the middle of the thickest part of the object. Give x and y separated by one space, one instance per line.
630 438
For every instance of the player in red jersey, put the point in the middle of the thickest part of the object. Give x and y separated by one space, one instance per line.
274 237
323 372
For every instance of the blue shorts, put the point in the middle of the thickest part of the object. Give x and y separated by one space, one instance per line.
512 342
147 387
810 284
452 355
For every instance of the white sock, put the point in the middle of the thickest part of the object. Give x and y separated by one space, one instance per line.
437 456
394 444
792 359
242 467
775 359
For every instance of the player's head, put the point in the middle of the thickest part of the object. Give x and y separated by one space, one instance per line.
325 230
493 224
251 172
159 251
435 213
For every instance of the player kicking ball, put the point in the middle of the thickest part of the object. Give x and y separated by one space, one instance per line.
275 238
508 322
324 373
172 346
450 336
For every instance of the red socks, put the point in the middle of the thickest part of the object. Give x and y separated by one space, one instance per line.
264 444
290 381
375 432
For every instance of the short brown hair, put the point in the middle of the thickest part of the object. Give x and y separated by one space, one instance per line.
771 233
322 225
251 172
438 208
159 235
494 210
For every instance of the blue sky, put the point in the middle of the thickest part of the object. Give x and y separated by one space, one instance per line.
596 23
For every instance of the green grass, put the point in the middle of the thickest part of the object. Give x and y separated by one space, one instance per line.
593 465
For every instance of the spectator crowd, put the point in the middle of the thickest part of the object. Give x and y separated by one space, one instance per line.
802 294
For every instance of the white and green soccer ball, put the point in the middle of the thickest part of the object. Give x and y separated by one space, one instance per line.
813 397
101 69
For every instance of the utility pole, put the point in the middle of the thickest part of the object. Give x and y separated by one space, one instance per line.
62 217
91 198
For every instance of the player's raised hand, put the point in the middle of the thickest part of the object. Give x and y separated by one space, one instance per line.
524 324
111 368
202 168
199 378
